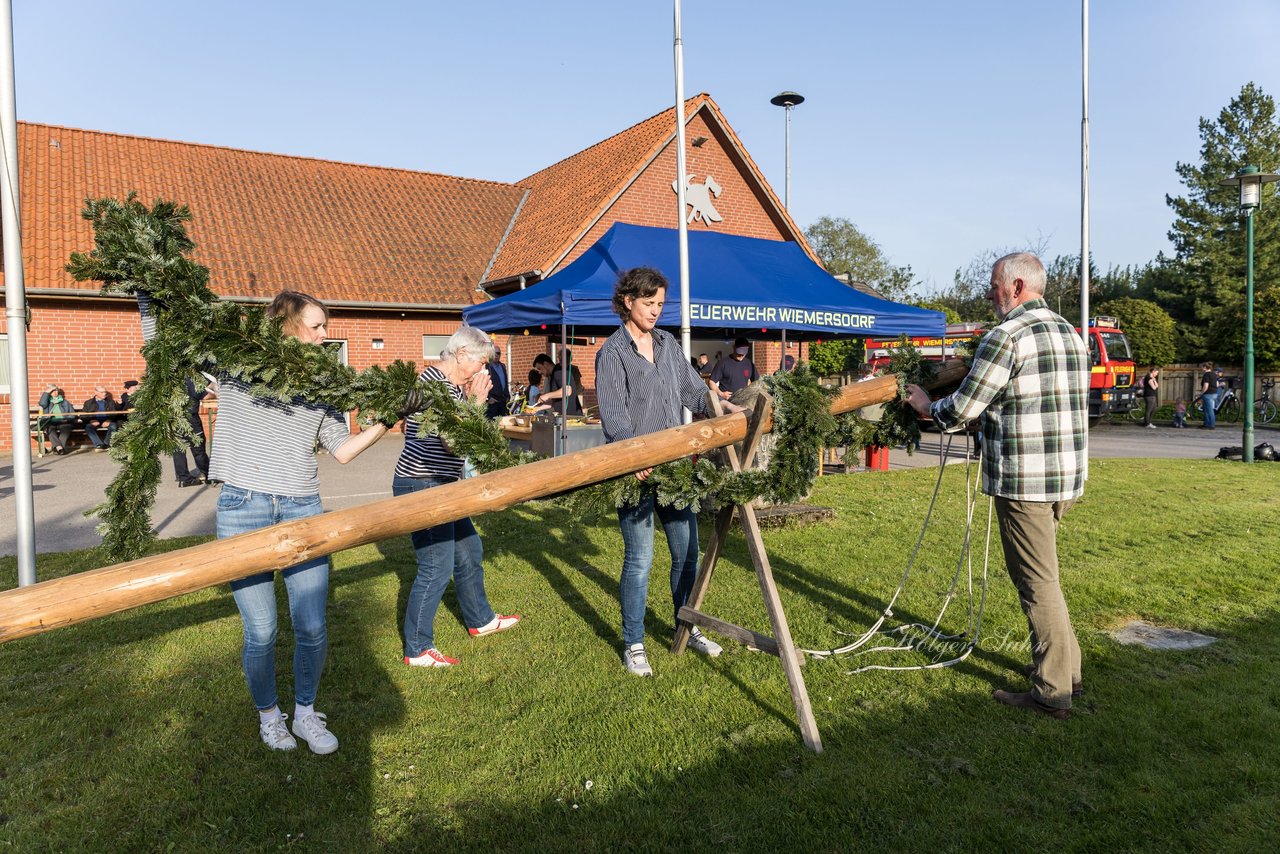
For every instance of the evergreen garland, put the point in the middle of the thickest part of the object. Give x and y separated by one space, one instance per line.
144 250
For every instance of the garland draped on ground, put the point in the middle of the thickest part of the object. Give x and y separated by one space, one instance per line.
145 250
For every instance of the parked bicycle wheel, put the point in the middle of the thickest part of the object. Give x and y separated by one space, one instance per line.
1230 410
1264 412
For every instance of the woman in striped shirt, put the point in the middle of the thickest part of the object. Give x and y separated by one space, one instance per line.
265 457
452 549
644 381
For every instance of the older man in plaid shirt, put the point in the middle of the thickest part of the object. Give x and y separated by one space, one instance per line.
1030 384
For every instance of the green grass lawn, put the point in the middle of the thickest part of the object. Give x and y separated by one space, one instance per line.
136 732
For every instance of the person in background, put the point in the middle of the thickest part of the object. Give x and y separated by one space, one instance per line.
535 388
199 449
1180 413
451 550
788 363
97 416
126 397
1209 396
61 420
704 365
1029 382
644 383
1150 395
499 391
734 372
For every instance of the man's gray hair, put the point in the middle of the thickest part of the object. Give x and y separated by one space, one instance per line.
1025 266
471 339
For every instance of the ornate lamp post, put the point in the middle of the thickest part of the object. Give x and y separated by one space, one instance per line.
1250 180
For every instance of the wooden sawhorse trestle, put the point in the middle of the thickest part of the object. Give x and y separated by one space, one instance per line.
780 643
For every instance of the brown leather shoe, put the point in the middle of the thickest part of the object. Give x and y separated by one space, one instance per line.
1027 701
1077 688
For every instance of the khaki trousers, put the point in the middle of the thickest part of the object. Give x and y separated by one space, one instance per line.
1029 534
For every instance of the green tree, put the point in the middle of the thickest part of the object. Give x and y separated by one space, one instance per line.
1206 293
828 358
952 315
1148 327
843 248
967 294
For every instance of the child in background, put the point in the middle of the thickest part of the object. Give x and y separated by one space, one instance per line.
1180 413
535 386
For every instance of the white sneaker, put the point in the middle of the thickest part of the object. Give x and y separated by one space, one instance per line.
1152 426
315 732
431 658
637 660
698 642
276 735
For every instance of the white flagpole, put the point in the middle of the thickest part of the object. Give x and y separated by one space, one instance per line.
1084 173
686 340
15 300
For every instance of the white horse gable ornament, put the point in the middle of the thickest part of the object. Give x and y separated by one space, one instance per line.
698 198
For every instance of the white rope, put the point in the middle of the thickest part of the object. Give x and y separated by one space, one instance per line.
931 633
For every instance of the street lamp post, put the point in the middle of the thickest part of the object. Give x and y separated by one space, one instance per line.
1250 180
787 100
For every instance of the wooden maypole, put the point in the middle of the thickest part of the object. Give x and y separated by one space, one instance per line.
96 593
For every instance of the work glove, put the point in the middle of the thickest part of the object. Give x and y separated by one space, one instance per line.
413 404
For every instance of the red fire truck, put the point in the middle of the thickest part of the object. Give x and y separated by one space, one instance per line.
1112 373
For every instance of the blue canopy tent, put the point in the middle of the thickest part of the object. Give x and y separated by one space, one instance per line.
739 285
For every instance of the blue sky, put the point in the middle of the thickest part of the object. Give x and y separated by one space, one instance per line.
943 129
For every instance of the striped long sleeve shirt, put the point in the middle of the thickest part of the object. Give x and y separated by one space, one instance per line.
638 396
1030 384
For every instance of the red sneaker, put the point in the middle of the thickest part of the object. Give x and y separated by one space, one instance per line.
500 623
431 658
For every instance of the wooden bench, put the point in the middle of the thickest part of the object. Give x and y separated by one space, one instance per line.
208 411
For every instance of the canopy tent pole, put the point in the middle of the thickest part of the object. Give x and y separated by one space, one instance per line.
15 300
565 375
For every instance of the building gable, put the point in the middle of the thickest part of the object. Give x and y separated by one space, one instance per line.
628 178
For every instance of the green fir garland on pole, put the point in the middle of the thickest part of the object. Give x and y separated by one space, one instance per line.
144 251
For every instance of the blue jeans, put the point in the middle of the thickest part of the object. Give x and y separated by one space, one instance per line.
1209 401
451 550
96 438
636 522
239 511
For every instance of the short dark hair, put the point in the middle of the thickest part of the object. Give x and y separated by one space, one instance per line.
636 283
289 305
131 384
741 342
542 357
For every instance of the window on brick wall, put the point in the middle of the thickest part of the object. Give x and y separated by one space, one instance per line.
4 364
432 345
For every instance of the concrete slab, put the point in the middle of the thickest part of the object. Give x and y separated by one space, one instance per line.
1142 633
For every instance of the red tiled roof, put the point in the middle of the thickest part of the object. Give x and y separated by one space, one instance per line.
265 222
566 199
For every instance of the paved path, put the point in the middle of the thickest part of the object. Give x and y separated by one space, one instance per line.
67 486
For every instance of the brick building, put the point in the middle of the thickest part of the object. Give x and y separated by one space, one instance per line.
395 254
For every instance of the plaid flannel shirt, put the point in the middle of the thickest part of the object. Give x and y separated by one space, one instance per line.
1030 384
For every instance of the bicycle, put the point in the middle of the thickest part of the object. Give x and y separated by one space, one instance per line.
1264 408
1228 408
